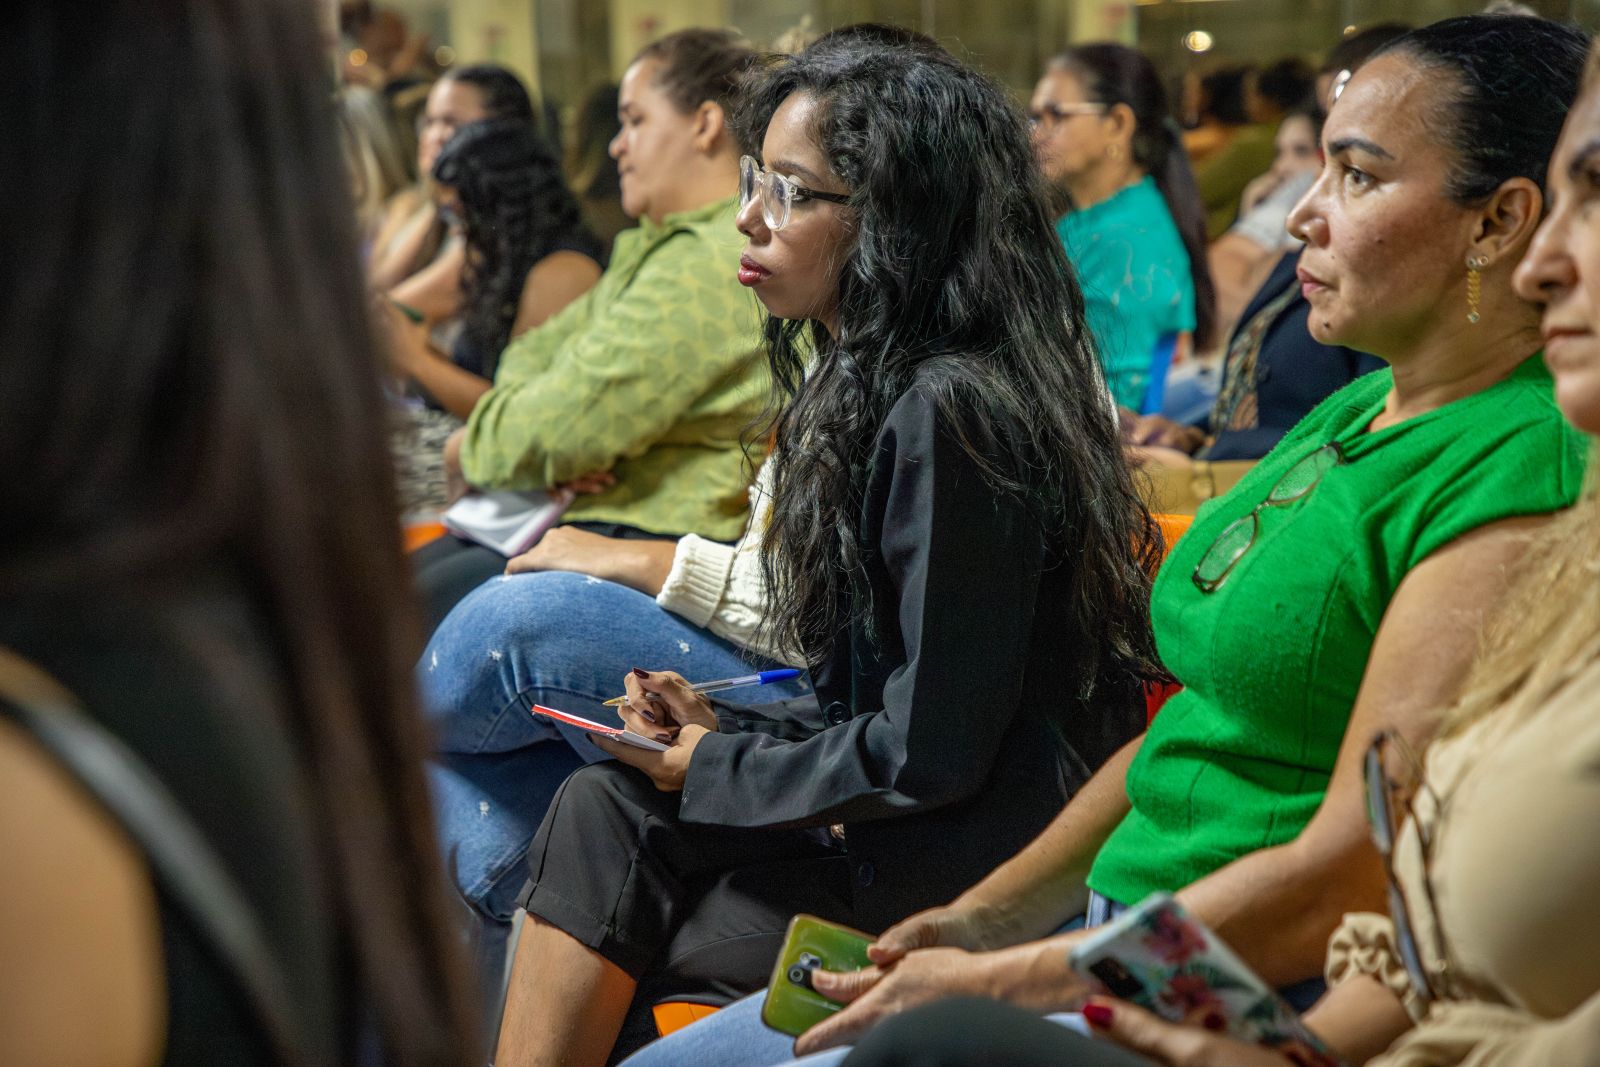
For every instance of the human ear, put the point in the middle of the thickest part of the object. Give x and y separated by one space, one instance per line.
1507 222
710 124
1121 123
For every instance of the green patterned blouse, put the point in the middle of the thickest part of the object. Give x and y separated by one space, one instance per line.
652 375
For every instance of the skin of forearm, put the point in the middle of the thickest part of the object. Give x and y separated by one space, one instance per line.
403 253
1359 1019
1277 907
456 390
644 565
1041 887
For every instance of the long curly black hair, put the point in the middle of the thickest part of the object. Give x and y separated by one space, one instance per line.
955 276
516 209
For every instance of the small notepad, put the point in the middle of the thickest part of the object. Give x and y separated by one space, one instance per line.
508 522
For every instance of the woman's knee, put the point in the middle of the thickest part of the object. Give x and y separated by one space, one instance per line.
964 1031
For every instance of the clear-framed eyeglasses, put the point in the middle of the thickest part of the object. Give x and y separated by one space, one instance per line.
1052 115
778 194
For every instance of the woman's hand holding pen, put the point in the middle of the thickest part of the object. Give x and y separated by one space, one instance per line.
663 706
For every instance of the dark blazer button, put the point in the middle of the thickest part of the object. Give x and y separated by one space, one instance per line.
837 714
865 874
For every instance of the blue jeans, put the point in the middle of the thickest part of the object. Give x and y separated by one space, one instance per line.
555 638
736 1037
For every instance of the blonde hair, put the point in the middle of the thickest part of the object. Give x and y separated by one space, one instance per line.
372 152
1547 629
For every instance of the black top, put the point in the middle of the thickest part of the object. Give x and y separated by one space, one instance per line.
182 676
1294 372
933 745
482 361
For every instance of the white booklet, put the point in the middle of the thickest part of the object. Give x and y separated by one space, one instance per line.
506 521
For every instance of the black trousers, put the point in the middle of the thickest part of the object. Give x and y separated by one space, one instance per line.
964 1032
691 912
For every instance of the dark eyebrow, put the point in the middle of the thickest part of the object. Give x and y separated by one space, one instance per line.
1582 157
783 166
1344 144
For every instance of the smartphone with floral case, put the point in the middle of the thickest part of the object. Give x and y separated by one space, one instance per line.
792 1006
1159 957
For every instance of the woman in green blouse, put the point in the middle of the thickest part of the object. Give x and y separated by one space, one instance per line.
1339 589
638 391
1136 230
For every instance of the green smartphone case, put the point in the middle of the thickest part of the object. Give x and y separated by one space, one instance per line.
792 1006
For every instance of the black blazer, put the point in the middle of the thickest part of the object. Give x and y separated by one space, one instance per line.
930 743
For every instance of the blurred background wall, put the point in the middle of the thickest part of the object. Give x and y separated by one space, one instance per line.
564 48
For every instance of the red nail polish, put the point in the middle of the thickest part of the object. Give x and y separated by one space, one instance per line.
663 737
1098 1015
1214 1022
647 715
637 673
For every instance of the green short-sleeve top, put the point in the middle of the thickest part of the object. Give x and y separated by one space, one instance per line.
1272 659
1137 287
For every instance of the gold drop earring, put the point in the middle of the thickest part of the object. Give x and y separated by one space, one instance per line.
1474 286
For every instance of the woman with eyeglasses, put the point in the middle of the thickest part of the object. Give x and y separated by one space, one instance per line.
1135 230
1487 954
953 543
1338 591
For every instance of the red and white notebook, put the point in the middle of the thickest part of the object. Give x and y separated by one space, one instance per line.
627 737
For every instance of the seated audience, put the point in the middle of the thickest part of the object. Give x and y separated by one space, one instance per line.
417 254
527 256
1491 808
642 387
215 827
1135 233
1337 592
1270 94
942 440
1213 110
1274 373
580 611
1242 258
575 614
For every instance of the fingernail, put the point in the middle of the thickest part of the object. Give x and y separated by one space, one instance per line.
637 673
645 712
1214 1022
1097 1014
663 737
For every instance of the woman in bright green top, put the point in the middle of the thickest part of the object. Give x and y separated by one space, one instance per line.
1339 589
635 394
1136 231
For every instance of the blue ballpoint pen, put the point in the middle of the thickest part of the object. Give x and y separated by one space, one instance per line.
763 678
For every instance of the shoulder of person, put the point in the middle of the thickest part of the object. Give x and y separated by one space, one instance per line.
942 402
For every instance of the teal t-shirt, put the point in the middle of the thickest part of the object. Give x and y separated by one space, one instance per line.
1136 281
1272 660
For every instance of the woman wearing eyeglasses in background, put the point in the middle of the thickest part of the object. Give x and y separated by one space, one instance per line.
1339 589
1488 955
957 546
1136 231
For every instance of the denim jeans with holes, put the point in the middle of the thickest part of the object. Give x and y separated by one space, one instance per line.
554 638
